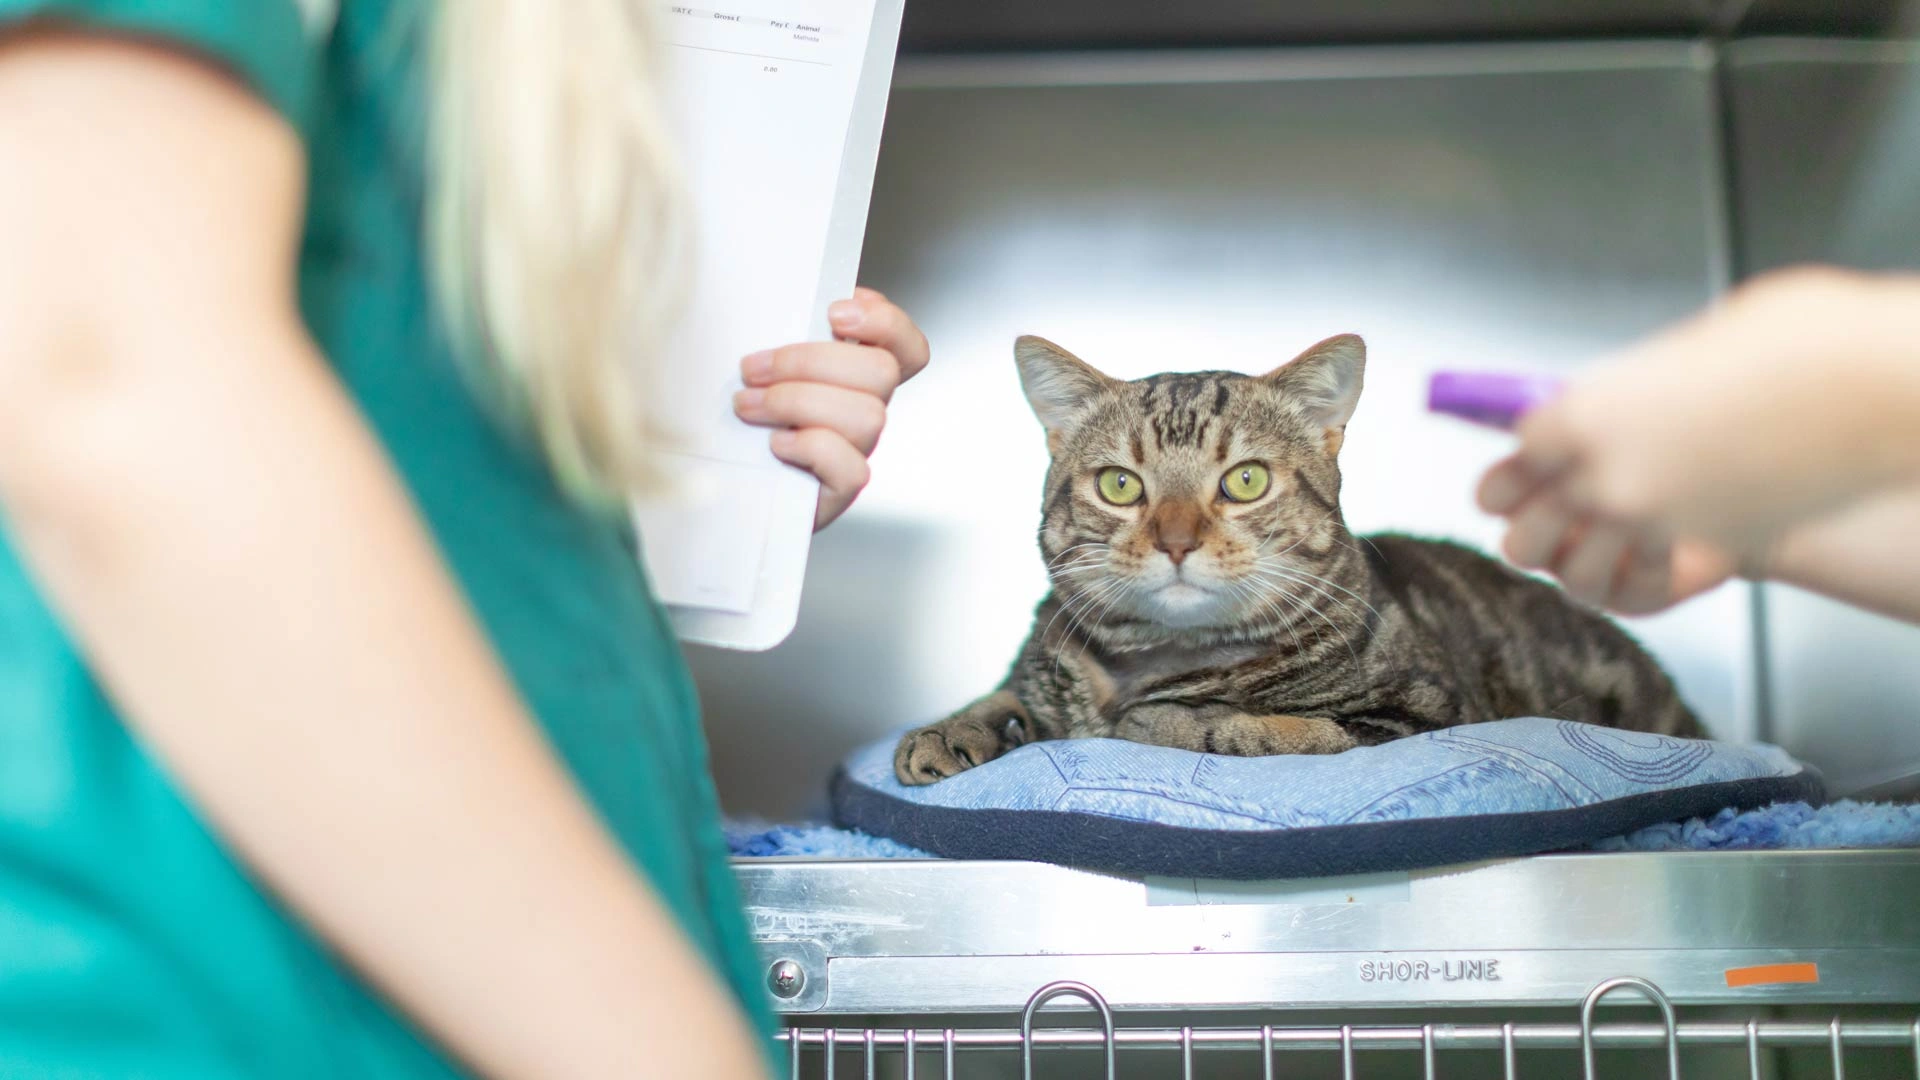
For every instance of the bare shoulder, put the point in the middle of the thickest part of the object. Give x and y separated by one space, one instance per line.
151 207
135 179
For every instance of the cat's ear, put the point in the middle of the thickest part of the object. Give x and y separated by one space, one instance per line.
1326 379
1060 386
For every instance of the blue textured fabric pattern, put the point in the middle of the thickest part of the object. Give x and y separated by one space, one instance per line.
1510 787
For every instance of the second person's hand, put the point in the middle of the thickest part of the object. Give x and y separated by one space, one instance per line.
828 399
1787 401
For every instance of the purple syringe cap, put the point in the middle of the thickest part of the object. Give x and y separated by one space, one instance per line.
1491 398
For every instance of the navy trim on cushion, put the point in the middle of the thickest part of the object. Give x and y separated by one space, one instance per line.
1130 847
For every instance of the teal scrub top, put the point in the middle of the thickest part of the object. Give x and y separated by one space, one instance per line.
132 942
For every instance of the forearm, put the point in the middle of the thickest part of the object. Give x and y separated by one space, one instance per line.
1865 554
1875 326
1796 397
1805 394
243 569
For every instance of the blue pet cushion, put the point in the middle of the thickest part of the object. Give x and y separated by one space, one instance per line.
1509 787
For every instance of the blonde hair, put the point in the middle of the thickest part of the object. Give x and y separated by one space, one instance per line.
555 221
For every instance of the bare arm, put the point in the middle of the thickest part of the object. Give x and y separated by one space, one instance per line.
1865 554
216 525
1792 398
1791 410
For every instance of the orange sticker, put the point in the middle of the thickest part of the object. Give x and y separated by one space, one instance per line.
1773 974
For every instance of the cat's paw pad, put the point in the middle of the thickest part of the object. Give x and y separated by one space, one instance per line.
953 746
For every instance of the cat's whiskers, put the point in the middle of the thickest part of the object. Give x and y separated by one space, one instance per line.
1104 547
1282 609
1065 605
1091 602
1273 574
1348 540
1270 598
1314 609
1304 533
1555 712
1097 604
1065 608
1061 565
1288 607
1309 575
1275 571
1268 614
1335 627
1090 562
1279 558
1340 536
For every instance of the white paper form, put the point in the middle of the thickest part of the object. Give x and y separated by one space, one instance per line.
778 105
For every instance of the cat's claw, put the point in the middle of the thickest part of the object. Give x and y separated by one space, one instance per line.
954 745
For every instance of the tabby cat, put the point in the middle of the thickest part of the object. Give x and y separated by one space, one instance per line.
1207 595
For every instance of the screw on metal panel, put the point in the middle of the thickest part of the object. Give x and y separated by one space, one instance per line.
786 979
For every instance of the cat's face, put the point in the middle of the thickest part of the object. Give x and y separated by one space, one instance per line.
1195 501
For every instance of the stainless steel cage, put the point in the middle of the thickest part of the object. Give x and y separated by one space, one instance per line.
865 1052
910 969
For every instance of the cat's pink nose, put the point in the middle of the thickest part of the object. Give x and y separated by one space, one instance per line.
1176 531
1177 550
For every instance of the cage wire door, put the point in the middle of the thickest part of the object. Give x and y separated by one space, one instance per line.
836 1054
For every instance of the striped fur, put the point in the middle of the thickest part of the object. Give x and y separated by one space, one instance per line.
1275 631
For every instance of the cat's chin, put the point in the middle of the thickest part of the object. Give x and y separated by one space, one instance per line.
1184 606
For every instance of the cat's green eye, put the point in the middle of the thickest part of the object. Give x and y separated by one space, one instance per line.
1120 487
1245 482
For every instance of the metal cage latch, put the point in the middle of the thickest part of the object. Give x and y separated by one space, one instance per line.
1651 993
1066 989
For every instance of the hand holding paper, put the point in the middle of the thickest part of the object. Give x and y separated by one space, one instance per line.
778 106
829 399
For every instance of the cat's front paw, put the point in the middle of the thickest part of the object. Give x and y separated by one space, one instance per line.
974 736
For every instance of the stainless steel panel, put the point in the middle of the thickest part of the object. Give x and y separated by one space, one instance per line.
957 25
1827 155
861 985
1826 151
1522 206
1855 18
934 26
955 937
947 26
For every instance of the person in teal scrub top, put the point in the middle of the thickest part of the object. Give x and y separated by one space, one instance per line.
340 736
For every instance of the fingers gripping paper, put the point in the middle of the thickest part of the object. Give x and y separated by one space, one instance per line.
778 105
